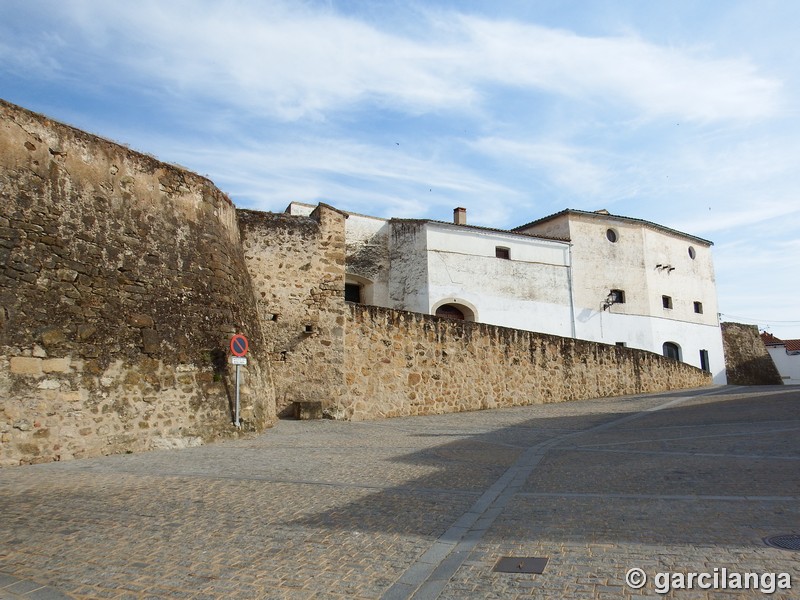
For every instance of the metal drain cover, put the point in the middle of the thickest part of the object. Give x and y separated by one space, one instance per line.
520 564
789 541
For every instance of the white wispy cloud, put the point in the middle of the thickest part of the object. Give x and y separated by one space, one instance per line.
567 166
655 79
364 177
279 101
291 62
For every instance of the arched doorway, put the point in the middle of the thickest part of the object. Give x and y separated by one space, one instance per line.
454 309
448 311
671 350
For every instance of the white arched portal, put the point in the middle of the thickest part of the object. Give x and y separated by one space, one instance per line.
455 308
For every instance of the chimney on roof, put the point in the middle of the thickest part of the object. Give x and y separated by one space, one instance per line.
460 216
602 211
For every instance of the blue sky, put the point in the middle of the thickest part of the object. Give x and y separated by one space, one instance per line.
682 113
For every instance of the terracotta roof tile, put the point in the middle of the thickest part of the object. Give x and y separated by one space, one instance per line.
792 345
770 340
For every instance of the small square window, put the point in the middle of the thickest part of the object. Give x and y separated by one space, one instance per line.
617 296
352 292
501 252
621 344
698 308
666 301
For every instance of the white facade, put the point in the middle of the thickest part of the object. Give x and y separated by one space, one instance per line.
666 279
558 275
786 357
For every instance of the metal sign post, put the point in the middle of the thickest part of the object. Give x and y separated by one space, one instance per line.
239 348
236 414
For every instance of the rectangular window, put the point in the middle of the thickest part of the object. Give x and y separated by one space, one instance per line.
352 292
617 296
621 344
698 308
666 301
704 361
501 252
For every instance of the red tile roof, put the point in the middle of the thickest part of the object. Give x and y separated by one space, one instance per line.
770 340
792 345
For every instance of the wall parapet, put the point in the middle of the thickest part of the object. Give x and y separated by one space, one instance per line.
400 363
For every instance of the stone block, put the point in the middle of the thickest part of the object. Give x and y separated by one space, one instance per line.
56 365
49 384
72 396
23 425
26 365
307 411
52 336
85 332
140 321
151 341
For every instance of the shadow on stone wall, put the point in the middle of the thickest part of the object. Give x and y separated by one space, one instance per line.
747 360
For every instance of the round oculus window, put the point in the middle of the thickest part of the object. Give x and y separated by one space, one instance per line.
611 235
692 253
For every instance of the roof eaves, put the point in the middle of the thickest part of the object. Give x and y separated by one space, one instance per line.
595 215
481 228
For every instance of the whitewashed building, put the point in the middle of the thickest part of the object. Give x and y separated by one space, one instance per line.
588 275
786 356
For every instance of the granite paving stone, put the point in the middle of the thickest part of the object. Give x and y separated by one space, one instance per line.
423 507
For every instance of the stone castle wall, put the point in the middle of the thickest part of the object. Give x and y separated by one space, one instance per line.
121 280
747 360
297 267
399 363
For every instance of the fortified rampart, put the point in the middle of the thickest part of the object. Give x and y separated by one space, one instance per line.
297 267
121 279
747 360
400 363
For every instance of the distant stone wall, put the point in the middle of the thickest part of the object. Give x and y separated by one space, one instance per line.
747 361
399 363
121 280
297 268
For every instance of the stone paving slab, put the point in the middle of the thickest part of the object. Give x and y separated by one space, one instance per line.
423 507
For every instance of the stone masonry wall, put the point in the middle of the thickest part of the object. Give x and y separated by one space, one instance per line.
747 361
399 363
121 281
297 267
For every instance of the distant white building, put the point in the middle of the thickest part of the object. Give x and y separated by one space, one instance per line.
588 275
786 356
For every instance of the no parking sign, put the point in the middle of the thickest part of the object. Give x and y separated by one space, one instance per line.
239 345
239 348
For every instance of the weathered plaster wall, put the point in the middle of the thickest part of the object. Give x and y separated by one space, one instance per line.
531 290
367 257
631 264
121 280
408 261
297 267
399 363
746 358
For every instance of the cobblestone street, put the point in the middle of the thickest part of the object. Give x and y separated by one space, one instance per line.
424 507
